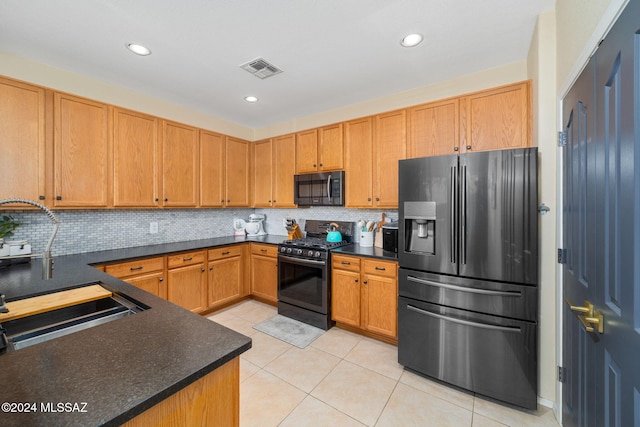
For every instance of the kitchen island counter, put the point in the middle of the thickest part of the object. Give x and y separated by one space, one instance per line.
110 373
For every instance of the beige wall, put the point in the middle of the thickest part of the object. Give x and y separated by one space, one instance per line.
65 81
541 67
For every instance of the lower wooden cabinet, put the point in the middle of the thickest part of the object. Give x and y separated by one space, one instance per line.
187 281
264 272
147 274
365 294
226 274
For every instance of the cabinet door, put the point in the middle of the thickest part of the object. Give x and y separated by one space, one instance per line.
330 148
380 305
237 175
81 152
179 165
262 173
496 119
390 146
135 159
434 129
264 277
284 150
186 287
152 283
224 280
307 151
22 138
345 297
211 169
358 163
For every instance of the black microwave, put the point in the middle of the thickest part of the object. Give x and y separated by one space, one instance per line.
319 189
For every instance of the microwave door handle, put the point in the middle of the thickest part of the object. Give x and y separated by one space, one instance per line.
329 187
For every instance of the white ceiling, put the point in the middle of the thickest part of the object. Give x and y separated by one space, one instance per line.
333 52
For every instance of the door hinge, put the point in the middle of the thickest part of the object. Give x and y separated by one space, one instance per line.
562 256
562 374
562 138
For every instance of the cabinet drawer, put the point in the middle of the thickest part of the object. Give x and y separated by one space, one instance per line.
265 250
186 258
132 268
225 252
380 268
343 262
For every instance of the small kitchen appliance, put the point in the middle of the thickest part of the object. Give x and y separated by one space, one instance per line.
304 273
390 237
239 227
254 227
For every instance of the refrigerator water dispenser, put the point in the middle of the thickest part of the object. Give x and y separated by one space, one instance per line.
420 224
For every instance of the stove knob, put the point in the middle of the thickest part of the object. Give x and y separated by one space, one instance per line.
310 253
283 249
288 250
317 254
299 251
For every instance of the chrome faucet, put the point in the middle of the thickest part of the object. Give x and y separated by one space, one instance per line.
47 259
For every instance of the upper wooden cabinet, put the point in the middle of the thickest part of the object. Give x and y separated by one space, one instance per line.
320 149
212 169
237 176
358 163
273 171
135 159
434 128
262 173
390 146
22 138
496 119
81 152
179 165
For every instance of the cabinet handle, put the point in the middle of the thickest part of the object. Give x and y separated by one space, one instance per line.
226 253
320 164
381 268
135 268
456 148
274 201
203 270
210 268
58 197
356 280
222 201
161 279
468 147
368 199
187 259
41 197
314 165
166 199
157 199
263 250
377 199
365 282
345 263
228 200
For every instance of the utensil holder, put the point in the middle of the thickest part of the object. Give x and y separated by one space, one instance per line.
366 239
295 232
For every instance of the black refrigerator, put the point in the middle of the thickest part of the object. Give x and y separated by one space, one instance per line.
468 278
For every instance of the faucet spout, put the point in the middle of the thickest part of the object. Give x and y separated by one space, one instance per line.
47 259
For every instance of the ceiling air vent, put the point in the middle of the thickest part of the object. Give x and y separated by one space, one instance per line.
261 68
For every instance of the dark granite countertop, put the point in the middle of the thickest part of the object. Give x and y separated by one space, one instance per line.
370 252
121 368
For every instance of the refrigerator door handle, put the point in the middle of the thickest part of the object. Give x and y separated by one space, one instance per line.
452 232
463 215
465 322
465 289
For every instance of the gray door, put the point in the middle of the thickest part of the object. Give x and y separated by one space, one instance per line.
601 198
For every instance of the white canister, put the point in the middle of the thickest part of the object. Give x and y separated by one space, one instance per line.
4 248
18 247
366 239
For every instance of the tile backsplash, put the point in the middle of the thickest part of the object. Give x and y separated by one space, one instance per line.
95 230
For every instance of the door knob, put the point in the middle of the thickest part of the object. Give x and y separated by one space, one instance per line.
589 317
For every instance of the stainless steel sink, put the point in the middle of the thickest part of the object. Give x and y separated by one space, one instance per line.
27 331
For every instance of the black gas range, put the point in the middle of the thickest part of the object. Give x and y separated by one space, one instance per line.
304 273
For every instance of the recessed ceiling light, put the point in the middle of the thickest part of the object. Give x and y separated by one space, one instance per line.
251 98
411 40
138 49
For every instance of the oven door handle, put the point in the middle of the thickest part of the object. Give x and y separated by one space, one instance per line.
465 289
465 322
302 260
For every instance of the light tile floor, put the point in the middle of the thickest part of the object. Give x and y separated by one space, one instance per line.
345 379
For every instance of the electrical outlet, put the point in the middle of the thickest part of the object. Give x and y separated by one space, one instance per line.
153 227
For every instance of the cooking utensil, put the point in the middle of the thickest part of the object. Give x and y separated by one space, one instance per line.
370 225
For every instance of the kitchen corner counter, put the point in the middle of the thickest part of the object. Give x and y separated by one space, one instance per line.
118 369
370 252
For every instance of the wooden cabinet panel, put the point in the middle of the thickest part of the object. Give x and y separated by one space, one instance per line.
136 267
390 146
152 282
224 280
434 129
212 169
345 297
187 287
307 151
264 272
185 258
346 262
262 173
22 138
284 168
135 159
237 176
496 119
179 165
330 148
225 252
82 147
380 268
358 159
380 304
